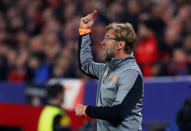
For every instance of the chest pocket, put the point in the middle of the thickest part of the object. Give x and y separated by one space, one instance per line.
109 88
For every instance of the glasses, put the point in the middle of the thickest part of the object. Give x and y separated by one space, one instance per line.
107 38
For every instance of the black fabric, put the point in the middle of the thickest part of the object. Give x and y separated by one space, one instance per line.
118 113
79 63
58 127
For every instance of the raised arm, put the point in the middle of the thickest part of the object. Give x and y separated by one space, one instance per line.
86 63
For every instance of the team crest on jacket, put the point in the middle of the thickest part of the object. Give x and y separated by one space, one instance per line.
113 79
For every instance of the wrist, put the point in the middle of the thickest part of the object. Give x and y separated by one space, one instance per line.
84 31
84 111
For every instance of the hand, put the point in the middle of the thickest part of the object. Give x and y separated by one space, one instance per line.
79 110
87 21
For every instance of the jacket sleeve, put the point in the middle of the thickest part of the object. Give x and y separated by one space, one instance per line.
129 93
85 58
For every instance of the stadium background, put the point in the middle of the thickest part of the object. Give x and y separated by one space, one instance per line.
38 45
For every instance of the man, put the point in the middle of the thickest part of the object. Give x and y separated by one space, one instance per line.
147 47
120 91
53 118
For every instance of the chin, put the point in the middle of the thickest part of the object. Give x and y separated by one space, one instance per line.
107 58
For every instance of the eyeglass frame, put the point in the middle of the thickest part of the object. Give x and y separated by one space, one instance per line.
107 38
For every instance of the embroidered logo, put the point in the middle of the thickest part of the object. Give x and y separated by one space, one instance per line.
113 79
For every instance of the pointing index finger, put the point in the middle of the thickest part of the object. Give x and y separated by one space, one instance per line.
93 13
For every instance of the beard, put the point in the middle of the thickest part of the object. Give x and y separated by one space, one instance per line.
108 56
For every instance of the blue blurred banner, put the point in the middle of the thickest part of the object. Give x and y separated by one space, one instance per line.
163 100
90 92
12 93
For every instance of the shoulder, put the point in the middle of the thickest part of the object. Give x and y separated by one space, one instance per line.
129 73
129 76
131 68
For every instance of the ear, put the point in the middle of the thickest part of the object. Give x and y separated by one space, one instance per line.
121 45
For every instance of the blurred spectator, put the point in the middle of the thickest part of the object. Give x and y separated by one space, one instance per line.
63 68
38 68
172 35
36 44
53 118
147 51
187 46
179 65
18 72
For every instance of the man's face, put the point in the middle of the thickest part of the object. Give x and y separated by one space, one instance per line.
143 31
109 45
60 98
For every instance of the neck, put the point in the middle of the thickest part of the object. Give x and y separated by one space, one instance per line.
122 55
55 102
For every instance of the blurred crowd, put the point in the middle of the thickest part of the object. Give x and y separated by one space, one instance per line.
39 38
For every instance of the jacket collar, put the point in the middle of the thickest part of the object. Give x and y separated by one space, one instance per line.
118 62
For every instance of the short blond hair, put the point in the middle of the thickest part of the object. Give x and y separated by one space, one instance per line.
124 32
